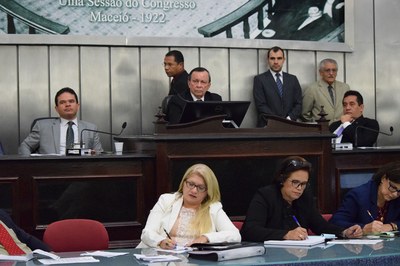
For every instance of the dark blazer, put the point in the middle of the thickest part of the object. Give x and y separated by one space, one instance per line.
270 217
365 138
31 241
179 84
268 100
177 103
358 201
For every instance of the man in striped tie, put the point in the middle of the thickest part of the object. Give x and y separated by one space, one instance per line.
276 92
56 135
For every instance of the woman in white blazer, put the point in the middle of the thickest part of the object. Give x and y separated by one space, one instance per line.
191 215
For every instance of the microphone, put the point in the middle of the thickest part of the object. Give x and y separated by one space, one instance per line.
103 132
373 130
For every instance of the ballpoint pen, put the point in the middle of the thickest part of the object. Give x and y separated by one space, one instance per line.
167 234
169 237
370 215
297 221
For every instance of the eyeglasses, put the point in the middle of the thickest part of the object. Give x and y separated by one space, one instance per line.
191 185
393 189
328 70
297 184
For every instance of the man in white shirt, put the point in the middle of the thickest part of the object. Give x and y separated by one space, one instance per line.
49 136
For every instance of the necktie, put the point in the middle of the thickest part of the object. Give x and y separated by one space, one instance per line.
339 131
8 242
199 100
330 89
279 84
69 141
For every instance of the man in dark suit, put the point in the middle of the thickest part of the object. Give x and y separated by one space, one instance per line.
268 98
174 66
199 81
23 240
49 136
352 122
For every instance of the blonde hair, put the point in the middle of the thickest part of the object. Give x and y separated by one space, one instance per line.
201 223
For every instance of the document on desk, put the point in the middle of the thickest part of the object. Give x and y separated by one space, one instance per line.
310 241
37 253
85 259
106 254
176 250
156 258
355 241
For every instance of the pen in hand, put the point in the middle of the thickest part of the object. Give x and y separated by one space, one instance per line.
370 215
167 234
298 224
169 237
297 221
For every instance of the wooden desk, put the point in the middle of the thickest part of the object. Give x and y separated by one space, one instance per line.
115 190
243 159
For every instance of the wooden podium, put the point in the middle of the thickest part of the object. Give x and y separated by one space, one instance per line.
243 159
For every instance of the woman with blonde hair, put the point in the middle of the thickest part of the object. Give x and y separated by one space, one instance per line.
191 215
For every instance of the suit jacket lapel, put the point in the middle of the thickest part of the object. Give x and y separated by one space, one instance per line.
176 207
324 90
56 134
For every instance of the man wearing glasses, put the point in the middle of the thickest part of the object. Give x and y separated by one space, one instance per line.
326 92
199 82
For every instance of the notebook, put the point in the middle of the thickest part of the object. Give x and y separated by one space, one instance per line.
310 241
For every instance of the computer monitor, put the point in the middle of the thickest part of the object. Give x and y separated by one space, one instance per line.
234 111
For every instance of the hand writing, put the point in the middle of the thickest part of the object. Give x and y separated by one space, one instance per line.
298 233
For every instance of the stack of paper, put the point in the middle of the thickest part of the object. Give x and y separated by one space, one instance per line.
310 241
68 260
156 258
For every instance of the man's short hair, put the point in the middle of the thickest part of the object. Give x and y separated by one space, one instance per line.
326 61
275 49
66 89
360 99
177 55
199 69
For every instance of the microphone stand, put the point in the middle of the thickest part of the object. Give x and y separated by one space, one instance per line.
102 132
81 149
370 129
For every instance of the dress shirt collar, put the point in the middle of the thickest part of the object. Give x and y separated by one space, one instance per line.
64 122
195 98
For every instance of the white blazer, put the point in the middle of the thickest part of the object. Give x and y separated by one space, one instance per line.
166 211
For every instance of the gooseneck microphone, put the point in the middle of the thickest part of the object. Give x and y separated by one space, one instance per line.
103 132
370 129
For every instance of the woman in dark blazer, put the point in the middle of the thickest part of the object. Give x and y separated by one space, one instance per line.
285 209
375 206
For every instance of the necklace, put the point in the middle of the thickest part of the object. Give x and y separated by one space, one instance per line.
382 212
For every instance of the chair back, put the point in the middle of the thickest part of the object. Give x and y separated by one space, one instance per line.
76 235
164 104
238 224
1 149
326 216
